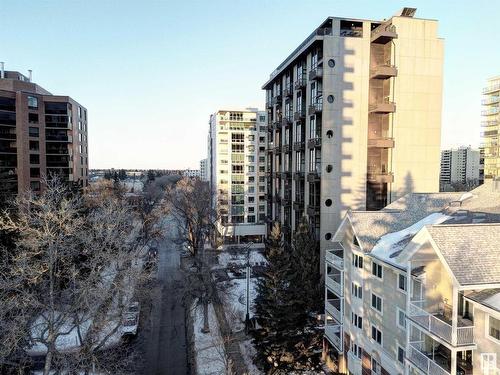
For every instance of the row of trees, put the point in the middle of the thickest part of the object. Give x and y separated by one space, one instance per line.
289 299
69 265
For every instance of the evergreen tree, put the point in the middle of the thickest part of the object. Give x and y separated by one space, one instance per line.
274 308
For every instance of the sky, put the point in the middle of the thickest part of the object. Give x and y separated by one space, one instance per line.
150 73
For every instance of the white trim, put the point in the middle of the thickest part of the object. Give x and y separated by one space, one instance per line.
487 329
397 282
381 335
381 269
398 310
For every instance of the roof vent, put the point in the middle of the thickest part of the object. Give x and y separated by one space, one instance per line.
406 12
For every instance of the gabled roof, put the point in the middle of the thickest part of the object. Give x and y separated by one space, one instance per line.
486 297
471 251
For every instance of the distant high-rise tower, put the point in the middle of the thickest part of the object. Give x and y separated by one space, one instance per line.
490 124
203 169
41 135
461 167
237 173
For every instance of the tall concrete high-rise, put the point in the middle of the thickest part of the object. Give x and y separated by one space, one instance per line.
41 135
354 120
203 169
490 145
461 167
236 167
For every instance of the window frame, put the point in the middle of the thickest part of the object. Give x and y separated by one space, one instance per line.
398 311
381 335
378 267
405 291
381 311
487 327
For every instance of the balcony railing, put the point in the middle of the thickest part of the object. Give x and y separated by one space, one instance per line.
381 142
59 138
316 107
299 114
316 73
492 88
288 90
383 72
432 323
383 34
298 175
313 176
335 282
336 257
385 106
490 111
490 100
379 176
335 308
424 363
313 210
298 146
300 83
314 142
334 335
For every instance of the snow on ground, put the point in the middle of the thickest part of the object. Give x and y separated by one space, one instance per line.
248 352
235 302
209 347
256 258
133 185
390 245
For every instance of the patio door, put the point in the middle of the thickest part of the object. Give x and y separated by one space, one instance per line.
489 363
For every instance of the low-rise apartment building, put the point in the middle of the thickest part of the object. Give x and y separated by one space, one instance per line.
41 135
411 289
237 173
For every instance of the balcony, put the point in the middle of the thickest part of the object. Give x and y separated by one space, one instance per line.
299 114
314 142
277 149
381 142
385 106
287 120
316 108
288 91
277 124
269 104
491 100
298 204
383 34
353 364
380 177
286 174
335 282
490 111
287 148
316 73
8 134
59 138
298 146
333 333
383 72
335 307
313 210
313 176
336 255
492 88
424 361
276 99
286 202
300 83
440 326
298 175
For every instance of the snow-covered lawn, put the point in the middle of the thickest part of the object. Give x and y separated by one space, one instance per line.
209 347
235 299
248 352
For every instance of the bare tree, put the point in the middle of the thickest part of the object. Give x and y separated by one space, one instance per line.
190 206
75 267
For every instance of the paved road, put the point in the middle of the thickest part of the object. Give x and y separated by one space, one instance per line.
165 346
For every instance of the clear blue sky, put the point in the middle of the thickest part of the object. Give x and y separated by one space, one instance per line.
151 72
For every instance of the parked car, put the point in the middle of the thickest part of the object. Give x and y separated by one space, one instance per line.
130 321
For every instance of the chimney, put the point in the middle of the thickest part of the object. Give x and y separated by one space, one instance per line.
2 70
30 75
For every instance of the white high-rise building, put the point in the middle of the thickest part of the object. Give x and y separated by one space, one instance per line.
459 166
236 168
203 169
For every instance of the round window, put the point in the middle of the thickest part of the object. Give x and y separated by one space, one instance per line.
328 202
329 133
328 236
329 168
331 63
330 98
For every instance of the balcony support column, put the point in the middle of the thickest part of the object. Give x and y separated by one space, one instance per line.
454 315
453 370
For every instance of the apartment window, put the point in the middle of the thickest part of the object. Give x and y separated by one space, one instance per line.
33 132
33 118
356 290
251 189
32 102
262 189
251 218
35 172
251 168
262 159
262 169
251 200
376 335
34 159
237 168
262 198
251 158
237 219
251 138
262 139
494 328
251 209
34 146
401 316
377 270
376 368
262 118
356 320
262 179
401 355
357 261
356 349
237 147
251 179
376 302
402 284
35 185
262 208
238 137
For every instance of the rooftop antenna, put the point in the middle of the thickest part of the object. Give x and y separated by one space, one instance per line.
30 74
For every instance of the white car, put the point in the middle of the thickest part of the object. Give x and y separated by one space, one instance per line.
130 322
